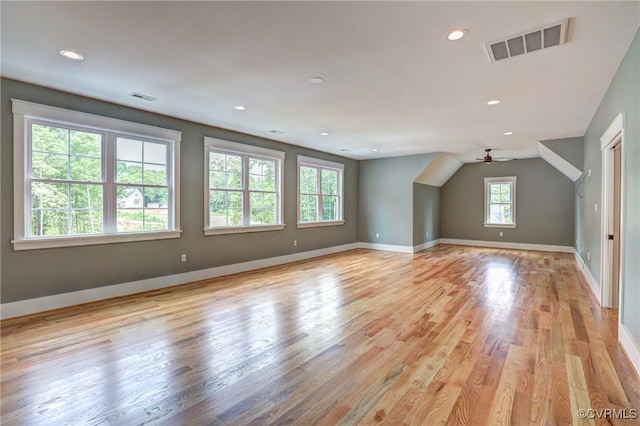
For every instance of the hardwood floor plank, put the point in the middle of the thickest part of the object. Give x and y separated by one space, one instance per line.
450 335
578 392
506 389
606 371
468 400
560 399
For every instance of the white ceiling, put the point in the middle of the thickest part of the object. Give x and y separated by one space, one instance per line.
391 80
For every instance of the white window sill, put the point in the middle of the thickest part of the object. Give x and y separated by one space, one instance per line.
242 229
316 224
499 225
87 240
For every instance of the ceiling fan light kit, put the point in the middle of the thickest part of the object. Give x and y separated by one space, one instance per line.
488 159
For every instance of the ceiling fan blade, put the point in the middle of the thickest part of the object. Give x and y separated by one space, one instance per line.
488 158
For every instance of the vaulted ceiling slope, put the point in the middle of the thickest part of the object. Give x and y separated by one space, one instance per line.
390 79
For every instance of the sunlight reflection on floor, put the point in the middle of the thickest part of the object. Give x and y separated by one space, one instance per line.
318 308
499 284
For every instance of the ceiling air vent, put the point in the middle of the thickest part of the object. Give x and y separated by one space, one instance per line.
529 41
141 96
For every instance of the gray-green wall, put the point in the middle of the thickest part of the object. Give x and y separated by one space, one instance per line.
623 96
380 196
426 213
386 198
544 204
36 273
570 149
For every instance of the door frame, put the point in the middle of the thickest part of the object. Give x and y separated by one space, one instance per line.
613 136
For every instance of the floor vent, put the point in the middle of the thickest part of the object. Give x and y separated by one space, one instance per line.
529 41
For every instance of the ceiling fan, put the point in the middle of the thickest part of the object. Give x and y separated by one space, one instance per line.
488 159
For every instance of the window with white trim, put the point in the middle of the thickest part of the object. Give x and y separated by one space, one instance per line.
320 189
500 202
84 179
243 188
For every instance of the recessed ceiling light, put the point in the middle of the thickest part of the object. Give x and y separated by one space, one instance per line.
324 134
71 54
316 80
375 150
456 34
239 108
494 102
508 133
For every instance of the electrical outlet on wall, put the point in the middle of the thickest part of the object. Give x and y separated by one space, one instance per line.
183 258
377 235
501 234
295 243
427 234
588 255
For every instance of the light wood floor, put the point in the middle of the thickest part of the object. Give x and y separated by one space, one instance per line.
454 335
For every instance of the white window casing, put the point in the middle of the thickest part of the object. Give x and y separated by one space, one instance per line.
490 220
27 114
321 165
246 153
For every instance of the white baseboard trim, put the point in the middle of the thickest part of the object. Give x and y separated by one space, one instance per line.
386 247
593 283
426 245
507 245
47 303
630 347
399 249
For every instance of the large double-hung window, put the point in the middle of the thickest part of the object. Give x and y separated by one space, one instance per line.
320 189
244 188
84 179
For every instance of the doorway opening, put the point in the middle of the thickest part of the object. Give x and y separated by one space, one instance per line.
612 146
